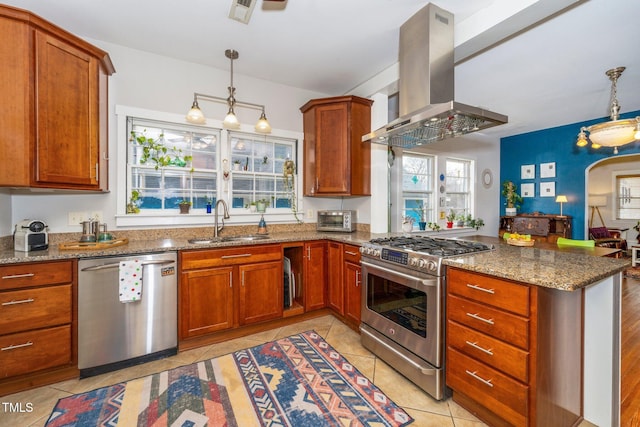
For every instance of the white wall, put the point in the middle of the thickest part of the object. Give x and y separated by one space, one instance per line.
153 82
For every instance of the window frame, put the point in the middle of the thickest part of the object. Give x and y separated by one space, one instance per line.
617 197
430 195
200 217
469 208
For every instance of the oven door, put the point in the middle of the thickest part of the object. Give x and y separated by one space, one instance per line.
405 306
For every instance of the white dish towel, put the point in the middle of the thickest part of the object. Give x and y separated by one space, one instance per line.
130 279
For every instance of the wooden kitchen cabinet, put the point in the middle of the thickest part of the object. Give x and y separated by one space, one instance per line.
37 325
315 275
352 284
513 354
229 287
335 277
53 133
336 161
344 281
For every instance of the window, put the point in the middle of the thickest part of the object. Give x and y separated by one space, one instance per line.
458 186
258 163
628 196
168 162
417 187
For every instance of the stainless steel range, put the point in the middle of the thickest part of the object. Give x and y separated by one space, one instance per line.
403 304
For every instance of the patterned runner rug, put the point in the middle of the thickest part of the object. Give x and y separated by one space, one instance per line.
297 381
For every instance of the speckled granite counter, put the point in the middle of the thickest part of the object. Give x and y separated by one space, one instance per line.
541 267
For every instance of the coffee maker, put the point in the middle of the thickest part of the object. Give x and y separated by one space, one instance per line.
30 235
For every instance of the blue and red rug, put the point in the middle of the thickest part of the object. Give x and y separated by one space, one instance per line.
297 381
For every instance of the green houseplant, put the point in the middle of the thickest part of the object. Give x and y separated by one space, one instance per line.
512 198
451 216
156 152
133 206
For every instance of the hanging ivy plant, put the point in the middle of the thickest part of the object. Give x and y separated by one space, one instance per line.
288 170
155 151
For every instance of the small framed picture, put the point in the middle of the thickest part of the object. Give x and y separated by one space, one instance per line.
527 171
548 170
528 190
547 189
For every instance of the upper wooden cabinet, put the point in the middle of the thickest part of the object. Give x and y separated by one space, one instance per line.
53 133
336 161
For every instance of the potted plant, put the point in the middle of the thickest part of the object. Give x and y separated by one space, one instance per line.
134 202
513 199
407 223
422 222
451 216
236 165
460 218
252 207
433 226
184 206
476 223
261 205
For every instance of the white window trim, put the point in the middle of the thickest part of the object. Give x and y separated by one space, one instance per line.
614 193
238 216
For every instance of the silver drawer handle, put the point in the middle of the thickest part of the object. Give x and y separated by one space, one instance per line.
235 256
18 276
482 319
476 346
13 347
22 301
479 378
480 288
350 253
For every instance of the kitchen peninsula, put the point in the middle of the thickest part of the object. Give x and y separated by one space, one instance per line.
560 274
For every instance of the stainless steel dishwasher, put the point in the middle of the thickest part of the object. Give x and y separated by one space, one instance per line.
113 334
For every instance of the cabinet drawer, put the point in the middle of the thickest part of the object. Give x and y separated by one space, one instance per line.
500 394
504 357
44 273
34 308
352 254
489 290
35 350
230 256
499 324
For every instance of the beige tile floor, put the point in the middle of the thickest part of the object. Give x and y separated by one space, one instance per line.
426 411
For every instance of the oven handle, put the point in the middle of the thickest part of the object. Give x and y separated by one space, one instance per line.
424 370
389 274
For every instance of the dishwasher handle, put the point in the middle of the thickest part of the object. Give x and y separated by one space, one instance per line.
117 264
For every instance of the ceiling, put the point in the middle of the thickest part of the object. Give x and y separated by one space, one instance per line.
549 75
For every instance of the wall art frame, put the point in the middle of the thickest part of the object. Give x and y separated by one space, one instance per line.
548 189
548 170
528 190
527 172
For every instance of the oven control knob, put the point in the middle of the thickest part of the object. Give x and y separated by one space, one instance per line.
432 266
422 263
376 252
362 249
413 262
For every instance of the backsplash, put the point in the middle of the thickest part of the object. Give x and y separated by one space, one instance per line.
6 242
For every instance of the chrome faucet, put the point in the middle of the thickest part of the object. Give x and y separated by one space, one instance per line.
225 215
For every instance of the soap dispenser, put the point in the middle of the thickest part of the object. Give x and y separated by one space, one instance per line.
262 226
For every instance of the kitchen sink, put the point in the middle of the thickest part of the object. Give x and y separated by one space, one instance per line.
241 238
245 238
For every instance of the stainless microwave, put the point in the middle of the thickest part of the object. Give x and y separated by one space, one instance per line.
342 221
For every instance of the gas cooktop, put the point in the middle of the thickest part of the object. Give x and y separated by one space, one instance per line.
431 245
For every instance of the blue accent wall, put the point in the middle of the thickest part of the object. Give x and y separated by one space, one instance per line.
555 145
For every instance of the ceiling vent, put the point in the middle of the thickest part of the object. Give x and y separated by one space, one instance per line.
241 10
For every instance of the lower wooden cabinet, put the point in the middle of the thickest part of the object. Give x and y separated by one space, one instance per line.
513 353
344 280
230 287
315 275
37 326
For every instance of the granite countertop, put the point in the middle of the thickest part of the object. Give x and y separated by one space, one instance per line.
546 267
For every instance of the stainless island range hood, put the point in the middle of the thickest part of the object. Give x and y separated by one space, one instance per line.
427 110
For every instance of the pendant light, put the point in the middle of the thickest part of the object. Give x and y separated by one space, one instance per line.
613 133
230 121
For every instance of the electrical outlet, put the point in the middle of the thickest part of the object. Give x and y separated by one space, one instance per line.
96 215
75 218
309 213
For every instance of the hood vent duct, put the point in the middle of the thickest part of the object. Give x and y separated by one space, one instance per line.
427 110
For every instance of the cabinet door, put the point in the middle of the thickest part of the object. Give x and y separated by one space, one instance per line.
353 291
332 149
261 288
335 287
67 111
206 301
314 275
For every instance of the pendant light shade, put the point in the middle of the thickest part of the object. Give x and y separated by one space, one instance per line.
230 121
614 133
